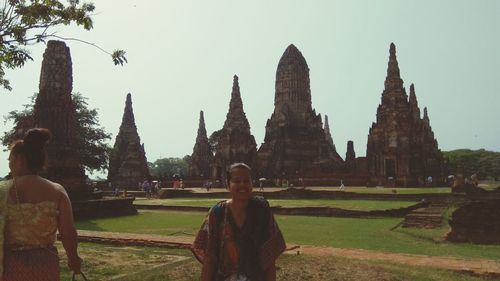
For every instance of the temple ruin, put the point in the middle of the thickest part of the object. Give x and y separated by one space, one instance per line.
401 145
328 134
202 154
350 155
236 143
295 142
54 109
127 162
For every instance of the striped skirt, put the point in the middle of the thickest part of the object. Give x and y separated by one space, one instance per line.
35 265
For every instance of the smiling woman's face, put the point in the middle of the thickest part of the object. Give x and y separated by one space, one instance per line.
240 185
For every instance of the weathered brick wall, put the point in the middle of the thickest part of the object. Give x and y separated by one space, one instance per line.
308 211
476 222
109 207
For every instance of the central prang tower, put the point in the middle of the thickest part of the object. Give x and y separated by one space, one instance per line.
295 143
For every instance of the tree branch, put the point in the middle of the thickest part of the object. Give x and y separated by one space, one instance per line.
81 41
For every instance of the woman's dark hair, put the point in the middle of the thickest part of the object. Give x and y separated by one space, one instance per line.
32 147
235 166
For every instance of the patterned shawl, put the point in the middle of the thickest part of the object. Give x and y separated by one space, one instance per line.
249 250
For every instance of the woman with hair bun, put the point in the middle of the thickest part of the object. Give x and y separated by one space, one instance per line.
32 209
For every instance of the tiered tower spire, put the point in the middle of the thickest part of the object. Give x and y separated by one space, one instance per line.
236 143
127 162
401 145
202 155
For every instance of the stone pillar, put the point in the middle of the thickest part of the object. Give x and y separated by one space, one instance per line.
350 155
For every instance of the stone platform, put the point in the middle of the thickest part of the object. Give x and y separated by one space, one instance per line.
299 193
430 216
306 211
476 222
106 207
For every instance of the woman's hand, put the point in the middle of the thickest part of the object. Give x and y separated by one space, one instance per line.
75 264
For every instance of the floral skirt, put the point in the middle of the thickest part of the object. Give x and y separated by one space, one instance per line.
35 265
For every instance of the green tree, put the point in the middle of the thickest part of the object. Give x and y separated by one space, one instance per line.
24 23
484 163
213 140
91 138
167 167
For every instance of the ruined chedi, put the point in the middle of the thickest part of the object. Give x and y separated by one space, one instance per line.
54 109
127 161
202 154
350 155
236 143
401 144
295 143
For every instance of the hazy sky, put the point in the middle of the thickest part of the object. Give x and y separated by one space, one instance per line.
183 54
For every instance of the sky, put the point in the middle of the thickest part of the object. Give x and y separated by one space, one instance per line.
183 55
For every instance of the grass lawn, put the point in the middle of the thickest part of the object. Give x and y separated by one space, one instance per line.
102 262
365 205
371 234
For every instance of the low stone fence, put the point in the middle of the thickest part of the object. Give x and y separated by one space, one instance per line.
298 193
337 212
307 211
476 222
106 207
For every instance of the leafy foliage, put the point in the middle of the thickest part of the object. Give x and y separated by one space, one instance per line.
167 167
28 22
213 140
91 138
481 162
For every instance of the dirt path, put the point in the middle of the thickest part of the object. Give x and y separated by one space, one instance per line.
478 266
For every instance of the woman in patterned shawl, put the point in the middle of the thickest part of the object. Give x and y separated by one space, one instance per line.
32 209
239 240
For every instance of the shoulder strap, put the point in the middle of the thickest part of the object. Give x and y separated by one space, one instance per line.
219 211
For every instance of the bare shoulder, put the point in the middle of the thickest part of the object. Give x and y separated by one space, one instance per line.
58 188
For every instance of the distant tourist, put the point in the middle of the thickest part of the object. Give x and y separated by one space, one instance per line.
474 180
156 188
146 187
429 181
277 182
34 209
284 183
302 183
342 187
176 184
239 239
116 191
